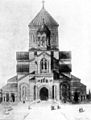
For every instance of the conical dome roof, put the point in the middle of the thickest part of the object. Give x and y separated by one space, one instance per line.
43 14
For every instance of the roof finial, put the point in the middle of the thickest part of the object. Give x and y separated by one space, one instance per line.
43 2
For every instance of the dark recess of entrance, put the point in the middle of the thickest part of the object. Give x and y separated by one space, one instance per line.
76 97
44 93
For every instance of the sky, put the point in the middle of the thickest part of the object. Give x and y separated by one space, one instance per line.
74 19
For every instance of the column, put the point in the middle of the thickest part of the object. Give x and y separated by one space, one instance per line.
54 91
61 91
15 97
36 93
38 97
72 95
58 94
49 92
9 97
4 98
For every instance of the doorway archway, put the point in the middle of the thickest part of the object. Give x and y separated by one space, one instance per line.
13 97
65 91
44 93
76 96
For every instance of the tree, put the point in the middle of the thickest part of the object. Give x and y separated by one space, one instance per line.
89 95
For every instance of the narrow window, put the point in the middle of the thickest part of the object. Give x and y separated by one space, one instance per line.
44 65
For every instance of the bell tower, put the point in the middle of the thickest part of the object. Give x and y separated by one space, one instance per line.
43 31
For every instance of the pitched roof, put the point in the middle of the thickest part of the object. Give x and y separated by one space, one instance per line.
43 53
73 77
48 19
10 87
66 75
81 84
13 79
32 73
23 77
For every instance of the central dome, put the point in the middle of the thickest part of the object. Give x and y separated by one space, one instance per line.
43 14
43 24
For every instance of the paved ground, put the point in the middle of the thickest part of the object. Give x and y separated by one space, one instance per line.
42 111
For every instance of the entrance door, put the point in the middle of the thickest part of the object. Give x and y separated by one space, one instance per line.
76 97
44 93
13 97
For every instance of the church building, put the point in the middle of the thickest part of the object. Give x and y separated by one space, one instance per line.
43 72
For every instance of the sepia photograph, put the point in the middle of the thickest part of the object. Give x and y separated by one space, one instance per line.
45 59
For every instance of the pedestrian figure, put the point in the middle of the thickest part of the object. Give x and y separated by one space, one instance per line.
81 110
58 107
52 107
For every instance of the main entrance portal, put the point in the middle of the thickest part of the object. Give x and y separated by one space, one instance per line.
44 93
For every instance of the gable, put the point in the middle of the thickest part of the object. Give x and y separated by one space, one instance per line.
41 55
44 53
10 87
12 80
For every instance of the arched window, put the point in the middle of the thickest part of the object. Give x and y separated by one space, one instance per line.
44 66
44 41
41 40
38 40
24 92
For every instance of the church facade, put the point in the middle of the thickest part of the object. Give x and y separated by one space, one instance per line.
43 72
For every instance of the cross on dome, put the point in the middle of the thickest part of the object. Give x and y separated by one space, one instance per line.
43 2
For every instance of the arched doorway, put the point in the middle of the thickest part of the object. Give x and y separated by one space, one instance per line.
65 91
76 96
44 93
13 97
